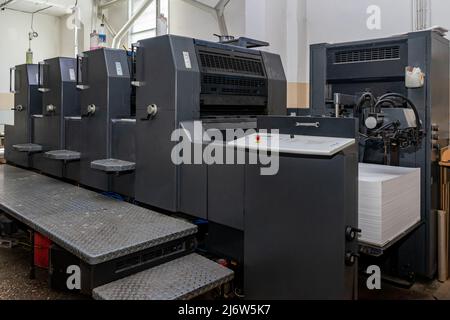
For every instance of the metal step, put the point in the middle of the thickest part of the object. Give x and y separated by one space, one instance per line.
28 147
182 279
93 227
63 155
113 165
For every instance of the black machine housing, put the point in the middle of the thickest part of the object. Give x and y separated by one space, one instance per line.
379 67
223 86
107 125
57 85
27 102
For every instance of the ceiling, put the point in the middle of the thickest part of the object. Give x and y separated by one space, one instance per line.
50 7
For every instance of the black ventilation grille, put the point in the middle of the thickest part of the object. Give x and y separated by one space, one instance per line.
367 55
216 84
224 63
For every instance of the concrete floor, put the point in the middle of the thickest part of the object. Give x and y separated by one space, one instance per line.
16 285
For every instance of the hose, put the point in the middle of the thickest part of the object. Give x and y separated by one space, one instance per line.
411 104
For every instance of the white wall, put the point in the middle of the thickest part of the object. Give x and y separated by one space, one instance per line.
187 20
67 35
14 27
282 23
345 20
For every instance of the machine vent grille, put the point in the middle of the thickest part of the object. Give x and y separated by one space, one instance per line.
229 64
229 85
367 55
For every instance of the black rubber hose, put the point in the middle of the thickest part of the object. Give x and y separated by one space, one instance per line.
411 104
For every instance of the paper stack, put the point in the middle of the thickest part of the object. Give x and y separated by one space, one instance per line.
389 202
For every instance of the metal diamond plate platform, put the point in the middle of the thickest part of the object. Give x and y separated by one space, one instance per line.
182 279
113 165
28 147
63 155
91 226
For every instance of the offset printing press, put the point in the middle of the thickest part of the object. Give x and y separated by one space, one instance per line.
27 102
107 125
60 101
396 88
224 87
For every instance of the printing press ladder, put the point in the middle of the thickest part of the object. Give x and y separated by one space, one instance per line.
124 252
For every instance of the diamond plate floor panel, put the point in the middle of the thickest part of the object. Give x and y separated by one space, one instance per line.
93 227
181 279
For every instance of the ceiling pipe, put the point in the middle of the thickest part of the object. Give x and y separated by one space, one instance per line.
109 4
122 32
4 4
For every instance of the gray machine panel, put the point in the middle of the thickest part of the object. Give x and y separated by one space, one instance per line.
26 95
57 84
295 241
106 83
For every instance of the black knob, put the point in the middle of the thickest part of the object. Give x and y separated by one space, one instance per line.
350 258
352 233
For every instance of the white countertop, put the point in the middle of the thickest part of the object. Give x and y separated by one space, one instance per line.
301 145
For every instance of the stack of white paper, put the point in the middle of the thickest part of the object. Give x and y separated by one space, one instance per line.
389 202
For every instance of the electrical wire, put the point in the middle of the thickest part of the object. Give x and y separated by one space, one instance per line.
409 102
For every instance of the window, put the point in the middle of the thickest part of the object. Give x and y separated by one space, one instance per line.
145 26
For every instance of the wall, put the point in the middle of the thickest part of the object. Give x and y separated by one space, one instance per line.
67 35
15 27
282 23
187 20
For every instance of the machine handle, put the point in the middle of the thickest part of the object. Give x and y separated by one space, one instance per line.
134 47
41 77
11 72
18 108
351 233
39 74
91 109
79 74
152 111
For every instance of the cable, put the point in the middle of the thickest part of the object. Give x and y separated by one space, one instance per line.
411 104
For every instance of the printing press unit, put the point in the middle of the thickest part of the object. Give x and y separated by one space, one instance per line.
27 102
230 87
394 87
107 124
269 229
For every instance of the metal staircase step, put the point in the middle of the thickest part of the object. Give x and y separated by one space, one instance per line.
182 279
113 165
28 147
63 155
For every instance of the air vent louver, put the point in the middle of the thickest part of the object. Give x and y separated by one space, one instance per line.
367 55
223 63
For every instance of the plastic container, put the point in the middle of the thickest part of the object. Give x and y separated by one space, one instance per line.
102 36
94 40
41 251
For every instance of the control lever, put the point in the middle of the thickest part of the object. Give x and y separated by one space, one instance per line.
50 108
351 258
152 111
351 234
18 108
91 109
